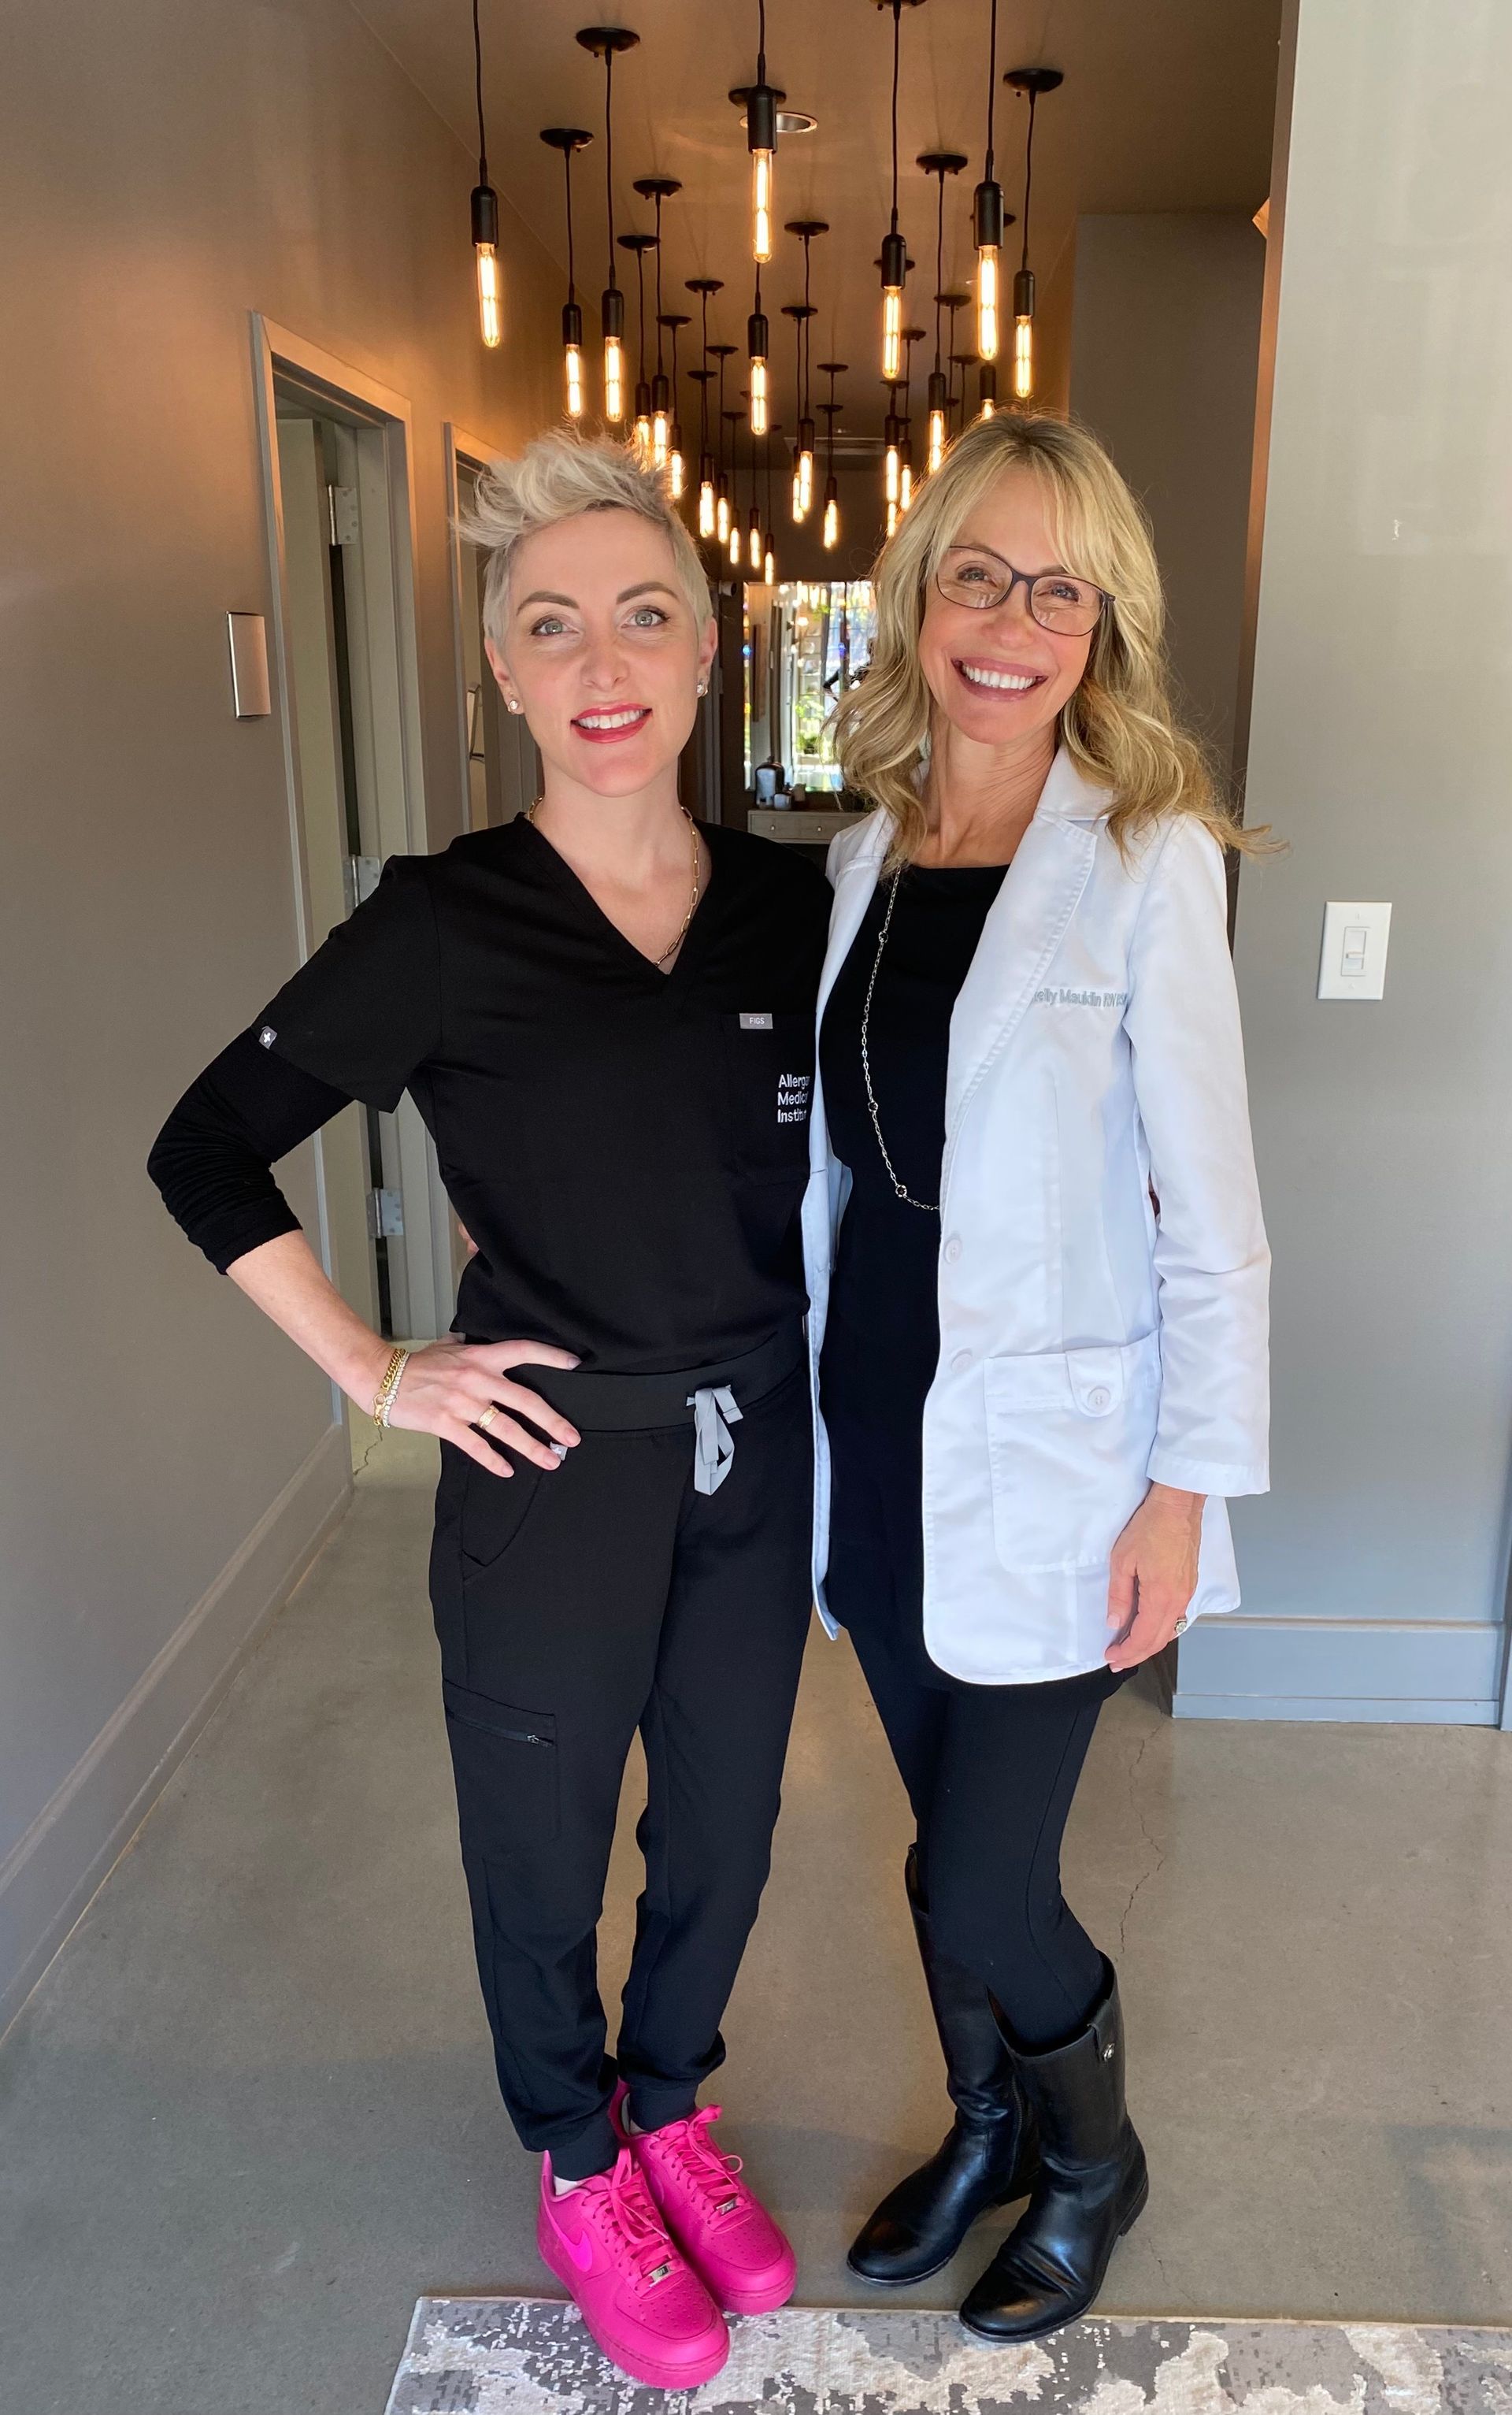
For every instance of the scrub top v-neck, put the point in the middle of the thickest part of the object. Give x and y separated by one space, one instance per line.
628 1148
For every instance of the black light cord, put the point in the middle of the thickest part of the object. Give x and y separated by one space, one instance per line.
992 91
939 266
640 316
804 337
477 72
658 200
703 389
761 41
566 164
608 151
897 23
1028 179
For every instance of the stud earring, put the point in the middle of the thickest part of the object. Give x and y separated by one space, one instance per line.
513 703
703 687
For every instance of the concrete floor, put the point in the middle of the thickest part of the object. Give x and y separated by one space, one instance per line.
249 2115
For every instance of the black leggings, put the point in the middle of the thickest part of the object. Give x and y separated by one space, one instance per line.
991 1770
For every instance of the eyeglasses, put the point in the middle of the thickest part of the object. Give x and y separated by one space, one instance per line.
1067 607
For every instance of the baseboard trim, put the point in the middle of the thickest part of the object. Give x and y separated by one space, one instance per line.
1372 1709
53 1871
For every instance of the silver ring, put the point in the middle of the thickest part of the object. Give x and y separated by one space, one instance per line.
487 1417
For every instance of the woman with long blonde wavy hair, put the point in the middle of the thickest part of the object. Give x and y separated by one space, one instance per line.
1039 1277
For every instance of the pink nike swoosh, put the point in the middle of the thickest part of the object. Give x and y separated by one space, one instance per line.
581 2250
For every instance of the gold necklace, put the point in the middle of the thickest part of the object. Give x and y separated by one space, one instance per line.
673 945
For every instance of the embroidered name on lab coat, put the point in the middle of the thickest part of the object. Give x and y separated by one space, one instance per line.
1105 998
793 1097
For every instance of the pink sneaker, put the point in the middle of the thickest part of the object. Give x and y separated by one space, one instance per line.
729 2238
647 2309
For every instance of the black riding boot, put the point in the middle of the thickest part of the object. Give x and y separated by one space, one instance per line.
1091 2188
988 2157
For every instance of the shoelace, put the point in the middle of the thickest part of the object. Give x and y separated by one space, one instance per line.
627 2219
699 2161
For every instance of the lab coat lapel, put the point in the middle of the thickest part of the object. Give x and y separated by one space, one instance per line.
1041 889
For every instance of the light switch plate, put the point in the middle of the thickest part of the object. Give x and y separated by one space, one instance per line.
250 689
1354 961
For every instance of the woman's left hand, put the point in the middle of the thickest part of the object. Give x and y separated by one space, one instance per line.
1154 1574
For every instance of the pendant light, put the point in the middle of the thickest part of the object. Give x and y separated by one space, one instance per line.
755 539
568 139
1033 81
768 545
657 189
987 391
941 164
893 262
832 369
761 101
892 449
989 218
722 352
485 218
911 336
806 230
757 343
800 313
640 245
606 42
703 379
732 509
676 466
703 287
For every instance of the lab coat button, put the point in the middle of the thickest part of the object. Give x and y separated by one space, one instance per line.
960 1362
952 1249
1098 1397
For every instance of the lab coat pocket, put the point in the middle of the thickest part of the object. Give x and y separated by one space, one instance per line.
1069 1438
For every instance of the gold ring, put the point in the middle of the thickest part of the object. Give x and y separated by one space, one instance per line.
487 1417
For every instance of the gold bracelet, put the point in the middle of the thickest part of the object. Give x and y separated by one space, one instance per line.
383 1400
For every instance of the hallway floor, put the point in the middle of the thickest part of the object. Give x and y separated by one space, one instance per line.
249 2115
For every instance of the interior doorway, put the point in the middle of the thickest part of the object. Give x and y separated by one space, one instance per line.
336 461
501 764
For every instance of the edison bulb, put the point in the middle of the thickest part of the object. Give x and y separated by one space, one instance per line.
706 508
676 474
490 295
1023 358
892 515
936 439
761 206
613 378
722 520
805 483
906 486
734 546
798 497
890 474
892 331
572 366
987 302
754 540
832 524
768 567
759 398
660 425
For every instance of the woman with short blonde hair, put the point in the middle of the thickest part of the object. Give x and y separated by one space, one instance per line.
604 1012
1038 1275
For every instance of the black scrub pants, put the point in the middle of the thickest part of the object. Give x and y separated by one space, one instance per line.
573 1608
991 1770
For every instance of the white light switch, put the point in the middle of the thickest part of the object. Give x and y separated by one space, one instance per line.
1354 961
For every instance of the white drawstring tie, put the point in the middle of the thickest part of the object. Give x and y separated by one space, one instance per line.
714 1412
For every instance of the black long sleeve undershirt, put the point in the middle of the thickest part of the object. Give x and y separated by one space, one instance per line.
212 1161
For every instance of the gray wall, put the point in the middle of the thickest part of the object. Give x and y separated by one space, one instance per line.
1165 338
1381 747
168 1461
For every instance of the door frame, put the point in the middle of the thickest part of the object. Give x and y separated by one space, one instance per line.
277 351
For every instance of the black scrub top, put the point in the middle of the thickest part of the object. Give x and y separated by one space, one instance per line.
628 1148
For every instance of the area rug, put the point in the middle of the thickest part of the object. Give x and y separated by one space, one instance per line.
532 2356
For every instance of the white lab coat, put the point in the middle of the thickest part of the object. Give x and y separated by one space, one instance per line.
1088 1345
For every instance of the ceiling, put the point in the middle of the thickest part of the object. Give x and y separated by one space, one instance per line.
1167 105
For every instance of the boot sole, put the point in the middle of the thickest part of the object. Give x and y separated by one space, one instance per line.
908 2280
1058 2322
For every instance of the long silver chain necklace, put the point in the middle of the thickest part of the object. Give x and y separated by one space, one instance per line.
672 946
929 1208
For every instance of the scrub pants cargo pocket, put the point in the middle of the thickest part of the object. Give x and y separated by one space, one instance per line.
506 1766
